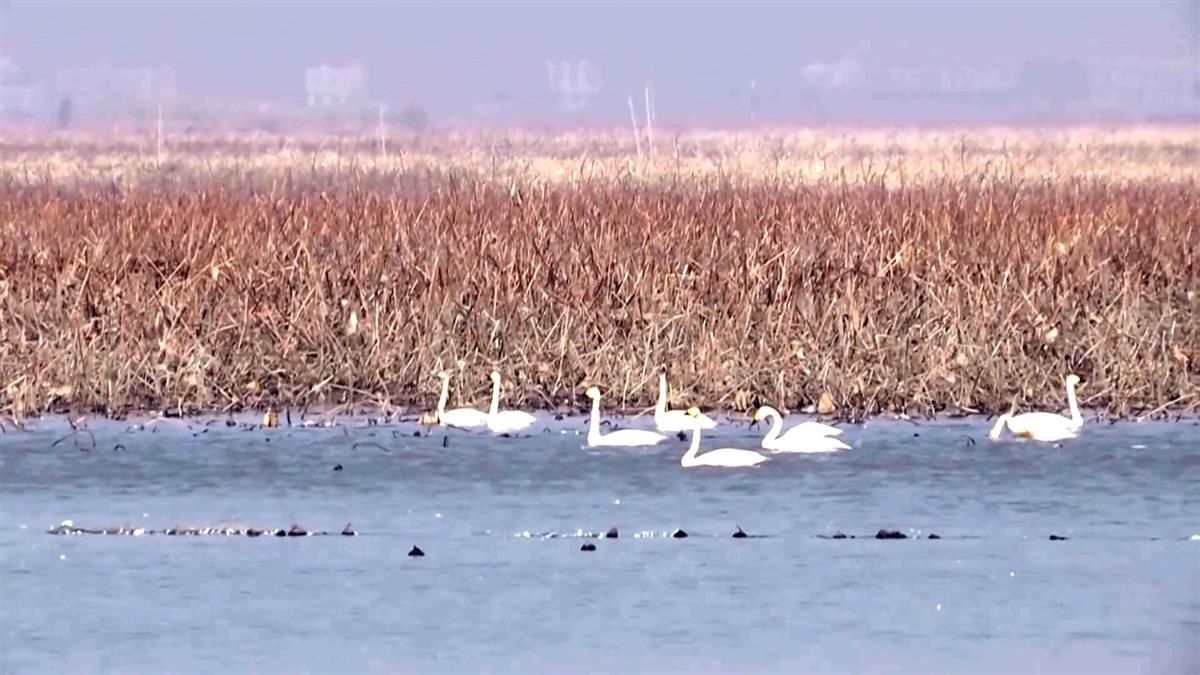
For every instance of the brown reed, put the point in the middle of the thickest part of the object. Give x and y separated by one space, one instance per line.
219 291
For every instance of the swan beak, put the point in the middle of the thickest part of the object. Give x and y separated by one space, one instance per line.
754 422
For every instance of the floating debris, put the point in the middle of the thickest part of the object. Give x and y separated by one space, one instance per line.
890 534
337 467
416 552
679 534
611 533
587 546
740 534
933 535
68 527
1056 537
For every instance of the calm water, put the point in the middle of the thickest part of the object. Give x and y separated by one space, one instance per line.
994 595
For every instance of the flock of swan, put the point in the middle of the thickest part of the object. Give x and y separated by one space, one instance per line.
806 437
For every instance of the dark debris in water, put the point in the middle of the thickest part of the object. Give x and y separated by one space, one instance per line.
416 552
587 546
68 527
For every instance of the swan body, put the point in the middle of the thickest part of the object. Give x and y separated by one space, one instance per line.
624 438
1043 426
807 437
672 421
464 418
507 421
726 457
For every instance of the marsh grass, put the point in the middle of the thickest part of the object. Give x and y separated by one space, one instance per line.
212 290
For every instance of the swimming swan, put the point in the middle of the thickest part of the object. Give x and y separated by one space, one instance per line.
731 457
509 421
623 438
1043 426
809 437
465 418
671 421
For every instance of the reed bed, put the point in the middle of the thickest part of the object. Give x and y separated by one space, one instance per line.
898 157
221 287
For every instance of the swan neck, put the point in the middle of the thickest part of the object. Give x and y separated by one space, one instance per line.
661 407
999 426
776 427
594 427
1076 417
690 455
495 399
441 409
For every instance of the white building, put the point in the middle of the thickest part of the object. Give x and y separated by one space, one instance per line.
332 87
574 83
1145 86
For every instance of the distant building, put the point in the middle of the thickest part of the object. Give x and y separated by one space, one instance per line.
574 83
1144 86
846 73
105 91
331 87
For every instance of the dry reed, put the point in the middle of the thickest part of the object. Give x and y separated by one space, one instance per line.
219 287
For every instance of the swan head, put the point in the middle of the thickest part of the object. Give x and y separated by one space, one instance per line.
593 393
443 376
1072 380
694 412
495 377
764 411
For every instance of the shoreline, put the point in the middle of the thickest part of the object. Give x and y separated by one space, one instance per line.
547 421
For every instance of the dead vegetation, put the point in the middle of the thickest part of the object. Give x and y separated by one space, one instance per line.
959 292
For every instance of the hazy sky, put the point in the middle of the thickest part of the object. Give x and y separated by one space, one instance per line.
447 55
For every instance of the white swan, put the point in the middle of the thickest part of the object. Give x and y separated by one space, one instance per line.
1043 426
465 418
732 457
804 437
672 421
623 438
508 421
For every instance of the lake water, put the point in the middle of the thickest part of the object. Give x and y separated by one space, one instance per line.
1121 594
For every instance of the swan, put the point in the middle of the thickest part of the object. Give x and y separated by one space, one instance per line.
465 418
719 457
804 437
1043 426
508 421
622 438
671 421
